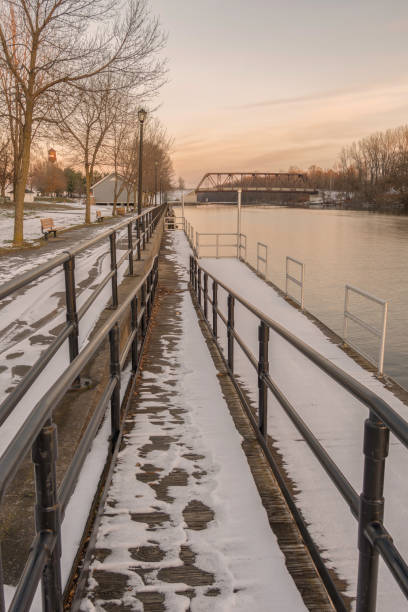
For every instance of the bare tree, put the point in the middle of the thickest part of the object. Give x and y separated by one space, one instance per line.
6 166
86 125
61 47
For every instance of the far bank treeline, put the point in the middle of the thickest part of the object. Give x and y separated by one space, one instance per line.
373 170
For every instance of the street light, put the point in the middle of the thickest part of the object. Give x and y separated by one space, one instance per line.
156 163
142 116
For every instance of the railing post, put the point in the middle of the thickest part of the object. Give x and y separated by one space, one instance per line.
143 308
263 369
214 308
130 247
199 287
205 295
70 299
230 332
112 239
195 276
114 340
138 237
135 357
191 270
376 439
47 512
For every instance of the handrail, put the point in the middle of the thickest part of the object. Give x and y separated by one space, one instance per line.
368 508
38 431
380 333
300 283
145 224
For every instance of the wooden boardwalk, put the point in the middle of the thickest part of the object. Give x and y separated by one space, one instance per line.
157 544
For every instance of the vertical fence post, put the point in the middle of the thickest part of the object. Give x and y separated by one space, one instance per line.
205 295
70 299
137 226
47 511
114 340
346 307
191 270
112 239
135 357
143 308
263 369
199 287
130 247
230 334
376 439
382 344
214 308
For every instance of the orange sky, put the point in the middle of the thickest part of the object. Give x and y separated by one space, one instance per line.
265 85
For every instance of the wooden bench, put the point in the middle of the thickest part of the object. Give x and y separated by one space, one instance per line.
99 216
48 227
121 210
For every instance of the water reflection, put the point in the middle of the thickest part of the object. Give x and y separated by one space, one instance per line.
368 250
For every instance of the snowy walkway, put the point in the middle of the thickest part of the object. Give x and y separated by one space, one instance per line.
183 528
333 415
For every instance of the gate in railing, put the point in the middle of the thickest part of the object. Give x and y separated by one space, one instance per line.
39 433
368 508
378 333
220 245
300 282
261 259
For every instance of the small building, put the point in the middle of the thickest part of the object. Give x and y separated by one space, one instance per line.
103 191
28 197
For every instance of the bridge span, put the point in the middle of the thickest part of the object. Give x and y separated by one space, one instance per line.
272 182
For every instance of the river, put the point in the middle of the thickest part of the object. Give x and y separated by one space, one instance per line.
367 250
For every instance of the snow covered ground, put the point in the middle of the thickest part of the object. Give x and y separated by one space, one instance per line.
238 546
66 217
29 320
333 415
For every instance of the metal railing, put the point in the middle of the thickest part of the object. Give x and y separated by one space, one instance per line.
299 282
368 508
174 222
261 259
219 244
378 333
39 433
242 247
145 225
189 231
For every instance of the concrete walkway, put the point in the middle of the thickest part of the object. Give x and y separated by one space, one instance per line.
183 527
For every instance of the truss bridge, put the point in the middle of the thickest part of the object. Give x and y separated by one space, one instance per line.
278 182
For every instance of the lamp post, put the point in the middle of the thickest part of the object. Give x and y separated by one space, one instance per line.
141 116
156 163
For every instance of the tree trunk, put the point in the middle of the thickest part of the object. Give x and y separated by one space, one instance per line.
21 178
88 195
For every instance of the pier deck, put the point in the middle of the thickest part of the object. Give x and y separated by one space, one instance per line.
184 526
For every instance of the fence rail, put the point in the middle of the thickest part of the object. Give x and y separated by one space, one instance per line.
39 432
261 259
299 282
379 333
221 242
368 508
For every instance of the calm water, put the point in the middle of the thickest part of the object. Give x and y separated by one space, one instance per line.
367 250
